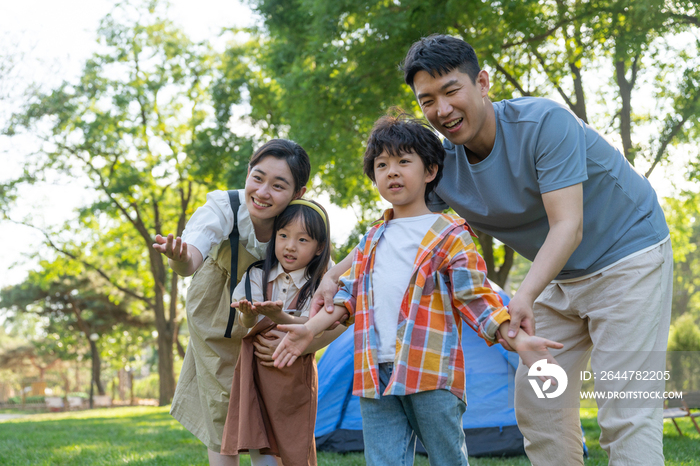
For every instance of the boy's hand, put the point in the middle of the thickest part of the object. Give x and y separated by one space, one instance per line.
293 344
533 349
269 308
173 248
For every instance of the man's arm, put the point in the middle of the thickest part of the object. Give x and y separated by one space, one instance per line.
564 209
184 260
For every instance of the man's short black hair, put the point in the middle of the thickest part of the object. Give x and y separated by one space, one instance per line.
440 53
399 132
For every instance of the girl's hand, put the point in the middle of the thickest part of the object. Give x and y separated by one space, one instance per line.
269 308
245 307
293 344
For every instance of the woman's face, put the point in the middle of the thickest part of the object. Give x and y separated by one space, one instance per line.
269 188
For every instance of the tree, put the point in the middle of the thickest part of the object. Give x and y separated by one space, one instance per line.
139 127
76 307
331 70
683 217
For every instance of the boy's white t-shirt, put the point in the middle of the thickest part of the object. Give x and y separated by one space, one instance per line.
393 264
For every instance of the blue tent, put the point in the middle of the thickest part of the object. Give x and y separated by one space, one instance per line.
489 423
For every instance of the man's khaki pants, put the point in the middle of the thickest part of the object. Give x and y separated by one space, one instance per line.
620 318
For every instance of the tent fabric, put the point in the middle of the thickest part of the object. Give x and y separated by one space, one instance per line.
489 422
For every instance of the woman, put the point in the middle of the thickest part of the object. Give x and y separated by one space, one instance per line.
277 173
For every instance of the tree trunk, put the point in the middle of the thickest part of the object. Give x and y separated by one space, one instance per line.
176 339
498 275
625 88
166 371
580 104
96 367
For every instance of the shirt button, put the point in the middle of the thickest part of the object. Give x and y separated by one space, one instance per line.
284 290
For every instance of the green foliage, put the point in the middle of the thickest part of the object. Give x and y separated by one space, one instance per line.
329 70
684 353
146 387
683 217
16 400
141 127
684 334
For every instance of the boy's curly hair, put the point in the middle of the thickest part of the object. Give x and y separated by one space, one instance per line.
398 132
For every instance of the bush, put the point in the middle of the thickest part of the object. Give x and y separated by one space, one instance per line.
147 387
684 354
16 400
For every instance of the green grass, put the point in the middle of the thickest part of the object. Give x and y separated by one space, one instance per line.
149 436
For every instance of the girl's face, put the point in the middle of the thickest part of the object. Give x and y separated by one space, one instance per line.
294 247
269 188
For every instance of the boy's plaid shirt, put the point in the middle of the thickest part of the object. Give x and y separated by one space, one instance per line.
448 284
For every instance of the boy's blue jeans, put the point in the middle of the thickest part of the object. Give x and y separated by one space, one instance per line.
391 424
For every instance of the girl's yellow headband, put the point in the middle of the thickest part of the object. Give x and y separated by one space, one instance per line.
313 206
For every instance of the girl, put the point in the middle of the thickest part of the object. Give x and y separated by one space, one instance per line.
274 410
277 173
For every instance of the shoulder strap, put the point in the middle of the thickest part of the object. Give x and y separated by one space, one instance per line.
248 290
233 241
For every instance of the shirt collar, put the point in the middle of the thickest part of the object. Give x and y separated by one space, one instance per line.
298 276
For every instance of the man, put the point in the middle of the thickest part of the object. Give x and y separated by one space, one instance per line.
530 173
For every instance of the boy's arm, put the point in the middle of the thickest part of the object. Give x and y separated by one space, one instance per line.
299 337
266 343
325 339
472 296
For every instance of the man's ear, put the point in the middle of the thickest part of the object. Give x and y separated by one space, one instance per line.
300 193
482 80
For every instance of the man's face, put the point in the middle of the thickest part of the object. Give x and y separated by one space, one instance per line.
454 105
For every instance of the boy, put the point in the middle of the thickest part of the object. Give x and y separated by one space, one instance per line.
409 365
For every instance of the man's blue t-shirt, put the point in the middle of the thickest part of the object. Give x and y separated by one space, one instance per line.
542 146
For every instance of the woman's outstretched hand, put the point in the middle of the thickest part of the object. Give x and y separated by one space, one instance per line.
172 248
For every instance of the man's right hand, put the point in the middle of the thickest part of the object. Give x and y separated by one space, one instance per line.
323 297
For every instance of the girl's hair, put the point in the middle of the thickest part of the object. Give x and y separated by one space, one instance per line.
289 151
318 228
